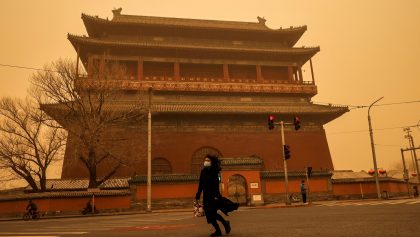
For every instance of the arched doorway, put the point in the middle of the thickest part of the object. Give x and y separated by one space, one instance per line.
198 158
237 189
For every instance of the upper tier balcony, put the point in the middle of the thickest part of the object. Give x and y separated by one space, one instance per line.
203 84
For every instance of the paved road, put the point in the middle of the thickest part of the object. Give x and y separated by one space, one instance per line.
397 218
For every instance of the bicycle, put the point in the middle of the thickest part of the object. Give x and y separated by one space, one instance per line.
86 211
31 215
294 198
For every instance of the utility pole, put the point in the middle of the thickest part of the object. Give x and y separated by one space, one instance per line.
405 172
271 124
308 171
413 151
373 150
149 152
286 179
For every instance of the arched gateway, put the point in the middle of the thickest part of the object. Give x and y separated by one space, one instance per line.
237 190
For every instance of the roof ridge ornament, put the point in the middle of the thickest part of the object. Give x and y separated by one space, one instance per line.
261 20
117 11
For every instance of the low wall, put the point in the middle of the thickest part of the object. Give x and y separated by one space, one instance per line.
57 202
274 189
356 189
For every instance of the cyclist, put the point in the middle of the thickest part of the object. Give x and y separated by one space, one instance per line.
31 207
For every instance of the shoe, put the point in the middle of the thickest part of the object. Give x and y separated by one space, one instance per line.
227 227
216 234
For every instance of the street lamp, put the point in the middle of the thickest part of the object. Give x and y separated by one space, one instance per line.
149 152
373 149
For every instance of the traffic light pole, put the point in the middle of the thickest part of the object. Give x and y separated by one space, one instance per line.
309 191
271 124
286 179
149 152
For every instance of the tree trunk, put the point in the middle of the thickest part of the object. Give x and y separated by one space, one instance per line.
92 169
43 180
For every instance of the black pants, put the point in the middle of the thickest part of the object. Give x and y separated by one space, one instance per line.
215 225
304 197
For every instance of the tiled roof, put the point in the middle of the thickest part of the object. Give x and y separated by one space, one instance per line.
82 184
363 180
166 178
300 174
349 174
227 107
241 161
191 23
193 45
222 107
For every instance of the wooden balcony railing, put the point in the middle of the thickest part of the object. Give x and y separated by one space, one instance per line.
204 84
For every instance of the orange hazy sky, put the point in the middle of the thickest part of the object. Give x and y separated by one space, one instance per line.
369 49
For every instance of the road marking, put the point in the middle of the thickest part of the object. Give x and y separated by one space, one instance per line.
364 203
372 203
397 202
44 233
29 235
413 202
160 227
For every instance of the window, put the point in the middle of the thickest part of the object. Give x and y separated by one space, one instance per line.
161 165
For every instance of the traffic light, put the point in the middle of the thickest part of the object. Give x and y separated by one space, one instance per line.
309 171
286 152
296 122
271 122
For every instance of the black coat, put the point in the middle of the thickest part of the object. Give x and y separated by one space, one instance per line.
212 199
209 185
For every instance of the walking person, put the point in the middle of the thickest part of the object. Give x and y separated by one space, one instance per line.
212 199
303 191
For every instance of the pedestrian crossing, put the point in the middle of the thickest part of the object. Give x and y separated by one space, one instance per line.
371 202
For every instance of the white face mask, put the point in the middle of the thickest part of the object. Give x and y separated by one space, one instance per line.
207 163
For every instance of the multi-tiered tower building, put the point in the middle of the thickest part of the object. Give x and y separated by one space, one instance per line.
214 84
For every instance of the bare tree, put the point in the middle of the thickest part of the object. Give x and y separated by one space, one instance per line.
27 145
87 107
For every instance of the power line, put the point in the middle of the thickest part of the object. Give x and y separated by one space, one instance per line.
397 103
365 106
387 145
28 68
378 129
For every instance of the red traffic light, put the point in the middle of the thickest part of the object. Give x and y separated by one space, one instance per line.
271 122
296 122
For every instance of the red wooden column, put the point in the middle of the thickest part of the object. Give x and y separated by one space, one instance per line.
290 73
226 73
176 71
77 62
90 65
312 72
140 70
259 74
